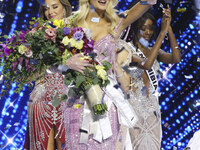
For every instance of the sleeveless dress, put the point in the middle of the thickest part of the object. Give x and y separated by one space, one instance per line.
73 115
42 116
147 133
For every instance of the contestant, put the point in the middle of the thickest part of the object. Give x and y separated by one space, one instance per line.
143 92
100 17
46 125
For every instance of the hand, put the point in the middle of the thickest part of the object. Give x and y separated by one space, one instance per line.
166 20
76 63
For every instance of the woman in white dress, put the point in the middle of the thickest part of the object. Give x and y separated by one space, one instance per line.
143 86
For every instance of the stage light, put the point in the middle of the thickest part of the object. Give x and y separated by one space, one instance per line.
30 4
192 95
175 111
19 6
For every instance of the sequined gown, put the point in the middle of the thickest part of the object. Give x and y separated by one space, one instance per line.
73 115
147 133
42 116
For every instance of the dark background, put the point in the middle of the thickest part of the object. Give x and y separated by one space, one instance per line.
179 86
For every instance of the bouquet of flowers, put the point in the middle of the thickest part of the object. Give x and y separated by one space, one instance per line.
27 54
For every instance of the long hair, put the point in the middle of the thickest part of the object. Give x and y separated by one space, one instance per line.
65 4
83 11
136 26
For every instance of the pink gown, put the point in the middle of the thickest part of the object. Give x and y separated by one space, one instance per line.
73 115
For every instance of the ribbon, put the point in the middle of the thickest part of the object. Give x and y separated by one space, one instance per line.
126 113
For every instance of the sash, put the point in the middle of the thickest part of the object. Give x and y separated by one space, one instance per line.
151 74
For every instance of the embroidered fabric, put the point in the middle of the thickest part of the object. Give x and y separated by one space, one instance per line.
42 116
147 132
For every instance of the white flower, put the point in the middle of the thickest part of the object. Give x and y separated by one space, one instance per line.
22 49
88 33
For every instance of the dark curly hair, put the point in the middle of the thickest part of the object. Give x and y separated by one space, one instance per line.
136 26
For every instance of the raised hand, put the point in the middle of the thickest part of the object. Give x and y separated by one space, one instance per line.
166 20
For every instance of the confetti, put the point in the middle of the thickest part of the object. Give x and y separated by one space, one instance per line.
197 102
175 148
188 76
1 79
116 86
181 10
167 125
7 127
76 106
127 96
123 15
144 91
16 124
120 50
183 2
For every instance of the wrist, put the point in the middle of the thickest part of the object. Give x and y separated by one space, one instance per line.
63 68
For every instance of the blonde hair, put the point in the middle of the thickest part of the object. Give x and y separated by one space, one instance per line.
110 14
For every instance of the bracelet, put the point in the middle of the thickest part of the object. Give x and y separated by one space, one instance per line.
118 76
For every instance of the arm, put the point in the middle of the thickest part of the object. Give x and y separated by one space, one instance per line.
148 62
175 56
133 14
122 77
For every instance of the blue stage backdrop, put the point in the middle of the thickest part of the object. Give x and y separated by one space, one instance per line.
179 85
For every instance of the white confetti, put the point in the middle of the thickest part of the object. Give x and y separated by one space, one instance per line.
16 124
188 76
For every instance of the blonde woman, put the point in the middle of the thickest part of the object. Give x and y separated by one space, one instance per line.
82 131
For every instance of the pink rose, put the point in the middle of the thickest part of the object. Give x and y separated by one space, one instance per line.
28 53
50 33
33 31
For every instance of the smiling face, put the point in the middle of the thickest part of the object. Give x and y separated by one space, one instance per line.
54 9
99 5
146 30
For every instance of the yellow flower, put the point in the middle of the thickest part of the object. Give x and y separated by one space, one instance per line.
86 57
65 56
102 74
65 40
58 23
79 44
22 49
72 42
99 67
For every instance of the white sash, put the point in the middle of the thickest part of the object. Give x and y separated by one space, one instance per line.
151 74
